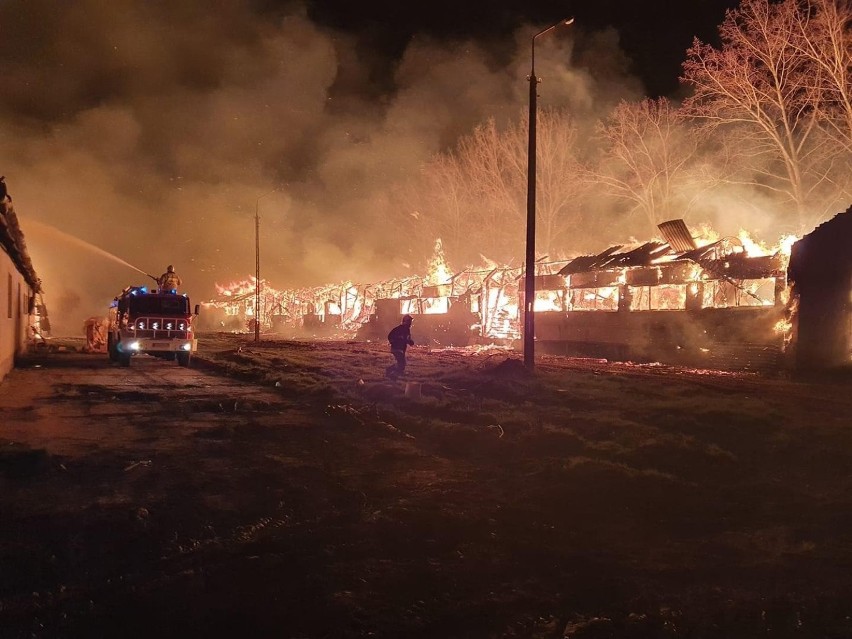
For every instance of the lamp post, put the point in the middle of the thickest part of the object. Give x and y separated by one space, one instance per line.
257 264
529 279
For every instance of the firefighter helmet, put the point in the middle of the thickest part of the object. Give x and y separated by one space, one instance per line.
170 269
407 319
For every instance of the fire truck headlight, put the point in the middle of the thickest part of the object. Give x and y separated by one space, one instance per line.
134 346
187 347
140 324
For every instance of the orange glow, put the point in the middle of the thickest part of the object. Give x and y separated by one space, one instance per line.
439 272
714 279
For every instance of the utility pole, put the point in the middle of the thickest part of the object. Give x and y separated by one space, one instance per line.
257 264
529 279
257 272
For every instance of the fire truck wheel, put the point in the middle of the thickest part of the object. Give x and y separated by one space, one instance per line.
183 359
124 359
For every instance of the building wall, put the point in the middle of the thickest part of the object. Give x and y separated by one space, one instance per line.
821 270
15 294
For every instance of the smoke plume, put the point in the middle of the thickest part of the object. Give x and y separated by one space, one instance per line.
157 130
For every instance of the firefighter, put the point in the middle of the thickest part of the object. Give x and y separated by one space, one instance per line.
399 339
4 191
169 281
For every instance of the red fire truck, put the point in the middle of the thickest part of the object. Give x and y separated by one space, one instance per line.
155 323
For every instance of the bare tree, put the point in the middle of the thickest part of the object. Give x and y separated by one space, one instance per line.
443 202
494 179
476 194
560 181
821 33
649 158
766 92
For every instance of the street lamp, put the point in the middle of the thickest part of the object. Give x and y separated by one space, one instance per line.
257 264
529 280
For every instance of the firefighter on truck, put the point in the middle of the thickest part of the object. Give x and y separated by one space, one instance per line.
155 323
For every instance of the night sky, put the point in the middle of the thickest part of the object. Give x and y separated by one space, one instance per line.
150 129
654 34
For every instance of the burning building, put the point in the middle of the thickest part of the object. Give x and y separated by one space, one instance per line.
722 304
716 302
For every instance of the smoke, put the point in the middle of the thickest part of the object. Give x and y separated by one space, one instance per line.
158 130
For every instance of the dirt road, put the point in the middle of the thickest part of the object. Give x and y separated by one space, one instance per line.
165 501
115 482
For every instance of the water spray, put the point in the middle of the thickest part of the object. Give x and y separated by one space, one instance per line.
82 243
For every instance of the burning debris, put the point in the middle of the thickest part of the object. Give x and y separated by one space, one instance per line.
717 302
709 302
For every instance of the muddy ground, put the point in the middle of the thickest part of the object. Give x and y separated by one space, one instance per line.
286 489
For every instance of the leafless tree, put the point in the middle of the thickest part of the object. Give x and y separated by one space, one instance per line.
560 181
821 33
441 202
765 92
476 194
649 158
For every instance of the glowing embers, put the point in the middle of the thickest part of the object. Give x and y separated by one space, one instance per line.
550 301
663 297
425 306
729 293
500 313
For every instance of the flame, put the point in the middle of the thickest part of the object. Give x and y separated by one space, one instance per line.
439 271
785 244
696 273
491 292
753 248
706 236
239 287
785 326
547 301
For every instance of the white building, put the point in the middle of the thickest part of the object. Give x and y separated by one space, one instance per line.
18 286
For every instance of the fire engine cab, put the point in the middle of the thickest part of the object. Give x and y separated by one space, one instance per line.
156 323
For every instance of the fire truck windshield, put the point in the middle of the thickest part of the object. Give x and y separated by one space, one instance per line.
171 305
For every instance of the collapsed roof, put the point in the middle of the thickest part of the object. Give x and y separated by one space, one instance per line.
724 258
12 241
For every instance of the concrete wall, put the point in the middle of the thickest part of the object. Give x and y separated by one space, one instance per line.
15 294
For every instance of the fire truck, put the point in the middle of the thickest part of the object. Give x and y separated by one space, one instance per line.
155 323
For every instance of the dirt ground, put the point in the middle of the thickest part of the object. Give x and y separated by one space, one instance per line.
287 489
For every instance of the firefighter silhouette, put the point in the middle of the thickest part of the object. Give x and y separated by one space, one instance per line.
399 339
169 281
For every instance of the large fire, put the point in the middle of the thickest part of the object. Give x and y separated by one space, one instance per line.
718 272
